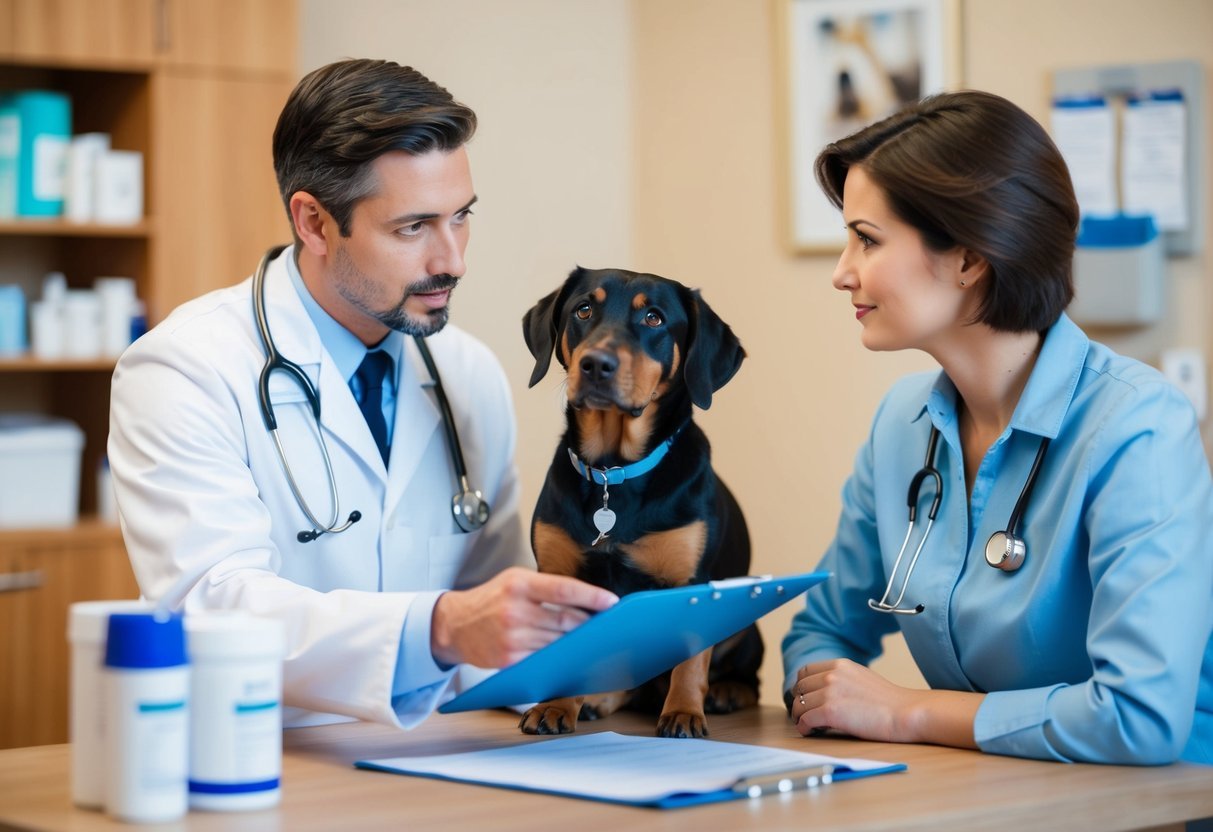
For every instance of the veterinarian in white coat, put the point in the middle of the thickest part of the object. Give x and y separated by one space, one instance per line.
208 513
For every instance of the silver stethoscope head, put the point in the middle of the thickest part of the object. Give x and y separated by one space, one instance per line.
1004 550
470 508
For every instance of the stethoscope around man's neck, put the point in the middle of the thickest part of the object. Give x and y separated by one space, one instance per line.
470 509
1005 549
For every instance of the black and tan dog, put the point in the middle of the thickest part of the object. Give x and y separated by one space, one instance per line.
631 501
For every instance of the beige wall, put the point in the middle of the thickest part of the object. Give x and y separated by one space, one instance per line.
642 134
785 431
551 83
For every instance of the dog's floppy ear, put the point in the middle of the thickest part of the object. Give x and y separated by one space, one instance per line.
713 355
540 329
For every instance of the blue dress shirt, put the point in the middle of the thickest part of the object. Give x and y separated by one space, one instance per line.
347 351
1098 649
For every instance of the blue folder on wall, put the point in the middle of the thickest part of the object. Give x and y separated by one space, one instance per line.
645 634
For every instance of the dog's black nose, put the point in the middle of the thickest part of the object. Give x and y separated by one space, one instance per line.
599 365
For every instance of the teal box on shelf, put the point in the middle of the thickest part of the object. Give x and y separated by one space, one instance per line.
44 132
10 146
1119 264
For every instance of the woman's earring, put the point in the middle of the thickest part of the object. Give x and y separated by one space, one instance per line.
962 283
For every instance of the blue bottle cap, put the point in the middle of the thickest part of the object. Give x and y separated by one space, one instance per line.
145 640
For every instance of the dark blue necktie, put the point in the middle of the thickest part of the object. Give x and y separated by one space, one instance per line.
371 372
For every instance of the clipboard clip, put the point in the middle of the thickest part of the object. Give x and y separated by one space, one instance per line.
781 782
754 582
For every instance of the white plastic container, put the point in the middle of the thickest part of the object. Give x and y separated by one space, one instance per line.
83 155
117 296
46 329
81 324
87 623
236 711
119 187
40 458
147 684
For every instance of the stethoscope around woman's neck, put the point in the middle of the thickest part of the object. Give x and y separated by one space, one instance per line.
1005 549
470 509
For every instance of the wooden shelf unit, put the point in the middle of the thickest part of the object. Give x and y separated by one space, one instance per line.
196 86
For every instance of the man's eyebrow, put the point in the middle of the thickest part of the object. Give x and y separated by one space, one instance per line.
409 219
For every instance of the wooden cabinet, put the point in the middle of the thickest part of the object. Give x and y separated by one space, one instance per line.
114 102
196 86
7 12
213 163
84 31
257 37
240 35
41 574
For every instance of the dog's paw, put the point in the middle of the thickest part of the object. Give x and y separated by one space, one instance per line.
548 718
726 697
682 725
602 705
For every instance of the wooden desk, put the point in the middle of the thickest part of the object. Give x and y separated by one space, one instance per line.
943 789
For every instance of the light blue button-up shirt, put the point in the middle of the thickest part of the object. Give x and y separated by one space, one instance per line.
1098 649
347 350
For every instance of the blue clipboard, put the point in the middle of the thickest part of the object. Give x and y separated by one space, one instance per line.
645 634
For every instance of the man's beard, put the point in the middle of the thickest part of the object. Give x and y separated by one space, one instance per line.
434 320
356 287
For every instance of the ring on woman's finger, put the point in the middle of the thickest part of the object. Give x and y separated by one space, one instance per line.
802 700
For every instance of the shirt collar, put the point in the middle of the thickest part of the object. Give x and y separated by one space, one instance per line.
1046 397
1050 388
346 350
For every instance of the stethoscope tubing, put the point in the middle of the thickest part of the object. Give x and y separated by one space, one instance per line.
928 470
471 511
274 361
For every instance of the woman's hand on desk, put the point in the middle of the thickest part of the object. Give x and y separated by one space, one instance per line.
510 616
841 695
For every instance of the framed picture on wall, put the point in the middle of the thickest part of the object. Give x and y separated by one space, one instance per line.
845 64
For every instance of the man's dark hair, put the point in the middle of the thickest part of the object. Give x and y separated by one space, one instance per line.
342 117
972 169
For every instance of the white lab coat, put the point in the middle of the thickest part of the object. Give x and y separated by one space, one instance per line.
210 522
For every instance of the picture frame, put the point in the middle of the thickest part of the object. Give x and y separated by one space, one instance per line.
843 64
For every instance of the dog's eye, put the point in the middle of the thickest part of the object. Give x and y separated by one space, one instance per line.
653 318
584 311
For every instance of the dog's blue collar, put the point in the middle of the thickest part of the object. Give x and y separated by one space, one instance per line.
616 474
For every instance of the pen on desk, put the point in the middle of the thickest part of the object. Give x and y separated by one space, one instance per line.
785 781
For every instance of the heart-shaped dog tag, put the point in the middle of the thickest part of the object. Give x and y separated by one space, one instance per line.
604 520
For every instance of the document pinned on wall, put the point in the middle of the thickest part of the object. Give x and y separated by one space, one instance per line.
1084 129
1153 167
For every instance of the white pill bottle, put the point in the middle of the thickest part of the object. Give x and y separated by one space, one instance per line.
87 626
147 707
235 711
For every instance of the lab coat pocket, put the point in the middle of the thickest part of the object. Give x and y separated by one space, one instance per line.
447 554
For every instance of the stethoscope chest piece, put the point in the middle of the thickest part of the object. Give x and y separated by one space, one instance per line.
471 510
1005 551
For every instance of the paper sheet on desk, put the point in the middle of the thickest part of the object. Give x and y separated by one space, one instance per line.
640 771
